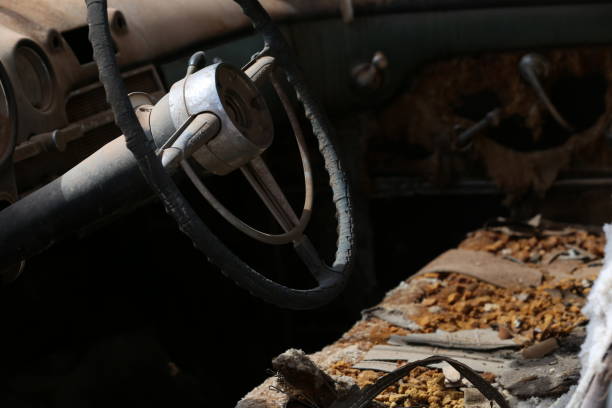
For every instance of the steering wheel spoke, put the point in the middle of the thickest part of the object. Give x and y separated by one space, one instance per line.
263 182
272 239
311 258
260 68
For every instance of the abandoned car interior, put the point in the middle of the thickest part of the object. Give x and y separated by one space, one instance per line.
305 203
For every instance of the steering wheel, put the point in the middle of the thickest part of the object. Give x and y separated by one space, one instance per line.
330 279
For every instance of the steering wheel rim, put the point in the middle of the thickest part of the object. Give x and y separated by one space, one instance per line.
331 280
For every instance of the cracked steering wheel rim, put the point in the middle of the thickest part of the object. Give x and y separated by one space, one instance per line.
331 280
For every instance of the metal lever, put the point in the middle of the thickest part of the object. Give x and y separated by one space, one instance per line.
491 119
195 60
370 75
533 67
197 132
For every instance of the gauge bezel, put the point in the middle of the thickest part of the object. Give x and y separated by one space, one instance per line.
43 65
6 149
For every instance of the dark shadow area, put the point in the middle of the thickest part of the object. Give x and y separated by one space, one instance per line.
134 307
410 232
580 100
475 106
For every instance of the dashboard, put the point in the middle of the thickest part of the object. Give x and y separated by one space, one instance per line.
52 108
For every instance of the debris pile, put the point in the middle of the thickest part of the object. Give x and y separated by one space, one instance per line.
369 332
457 302
507 304
533 246
454 302
537 318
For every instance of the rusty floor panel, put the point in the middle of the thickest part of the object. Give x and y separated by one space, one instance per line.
543 322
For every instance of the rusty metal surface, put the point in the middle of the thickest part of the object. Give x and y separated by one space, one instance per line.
416 134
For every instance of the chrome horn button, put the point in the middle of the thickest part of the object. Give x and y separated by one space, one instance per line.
246 124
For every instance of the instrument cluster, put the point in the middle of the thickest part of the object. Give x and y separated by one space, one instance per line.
43 67
29 100
8 123
34 74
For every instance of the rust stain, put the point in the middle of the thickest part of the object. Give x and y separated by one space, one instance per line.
428 114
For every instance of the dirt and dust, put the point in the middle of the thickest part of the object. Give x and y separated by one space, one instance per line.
457 302
533 249
453 302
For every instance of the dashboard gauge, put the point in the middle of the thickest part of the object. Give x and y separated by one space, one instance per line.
34 76
8 125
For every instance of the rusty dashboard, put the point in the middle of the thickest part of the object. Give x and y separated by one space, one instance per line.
53 107
57 114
